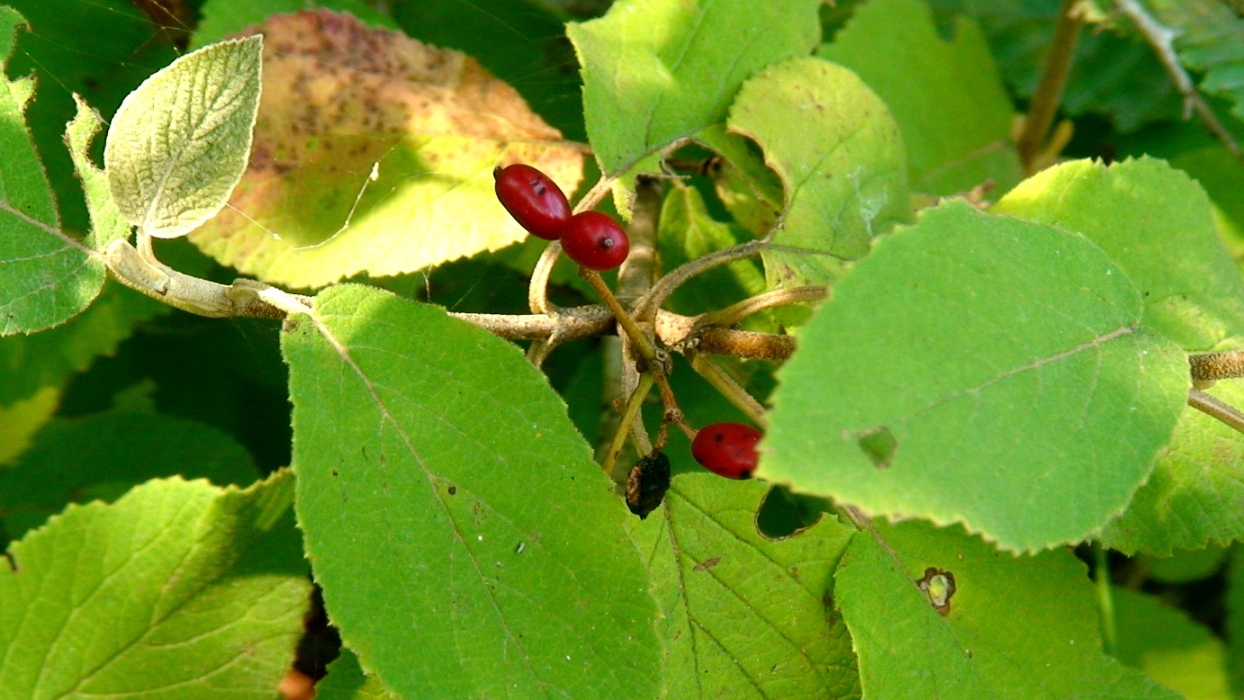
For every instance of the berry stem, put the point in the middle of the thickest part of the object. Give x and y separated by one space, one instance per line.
775 297
729 388
633 404
538 288
642 344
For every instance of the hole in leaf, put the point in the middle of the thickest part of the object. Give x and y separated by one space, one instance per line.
783 513
879 444
939 586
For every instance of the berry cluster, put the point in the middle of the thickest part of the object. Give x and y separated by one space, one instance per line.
591 239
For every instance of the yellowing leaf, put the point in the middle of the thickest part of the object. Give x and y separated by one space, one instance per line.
374 154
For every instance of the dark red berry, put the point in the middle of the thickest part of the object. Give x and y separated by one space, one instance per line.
535 201
727 449
595 241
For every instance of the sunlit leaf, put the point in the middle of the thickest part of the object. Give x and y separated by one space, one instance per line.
179 590
374 153
1193 496
420 472
658 71
983 370
1155 222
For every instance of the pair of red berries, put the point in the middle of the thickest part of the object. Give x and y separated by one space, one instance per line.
727 449
591 239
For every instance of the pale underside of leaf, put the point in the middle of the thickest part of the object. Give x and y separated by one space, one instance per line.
179 143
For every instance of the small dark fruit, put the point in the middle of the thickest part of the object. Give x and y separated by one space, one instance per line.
535 201
595 241
647 483
727 449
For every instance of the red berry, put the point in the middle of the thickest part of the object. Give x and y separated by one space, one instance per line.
727 449
535 201
595 241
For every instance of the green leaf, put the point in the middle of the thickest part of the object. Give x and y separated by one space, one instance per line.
104 455
1234 602
335 190
46 277
1184 565
1193 496
1155 222
749 189
180 142
840 157
686 232
1170 647
658 71
947 97
1209 36
743 616
1004 364
1013 627
224 17
490 545
179 590
1223 180
1113 73
99 50
28 363
107 223
347 681
21 420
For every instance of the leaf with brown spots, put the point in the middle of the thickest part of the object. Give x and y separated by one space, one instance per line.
935 613
374 154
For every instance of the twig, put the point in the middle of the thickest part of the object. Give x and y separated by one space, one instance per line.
729 388
1049 92
749 344
775 297
1216 408
646 307
1212 366
1162 39
1105 598
633 404
673 414
243 298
